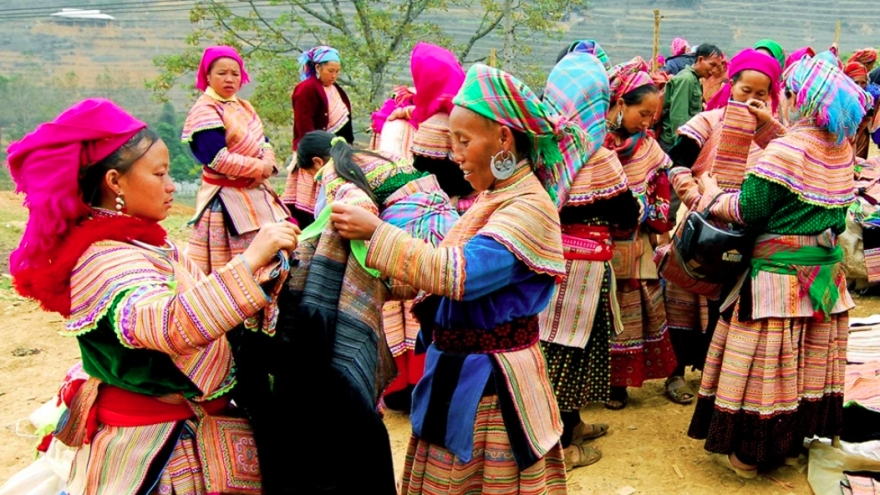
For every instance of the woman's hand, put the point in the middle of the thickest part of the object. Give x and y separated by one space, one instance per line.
268 169
760 110
708 184
353 222
269 240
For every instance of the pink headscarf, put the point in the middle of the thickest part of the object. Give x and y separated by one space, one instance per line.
402 97
750 59
437 76
680 46
211 54
797 55
46 166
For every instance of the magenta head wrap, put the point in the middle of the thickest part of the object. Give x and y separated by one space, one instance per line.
46 165
437 76
211 54
749 59
797 55
680 46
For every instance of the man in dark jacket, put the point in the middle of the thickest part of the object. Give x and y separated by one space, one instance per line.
676 64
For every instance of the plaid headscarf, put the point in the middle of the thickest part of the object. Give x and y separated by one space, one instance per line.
577 89
628 76
503 98
591 47
826 93
317 55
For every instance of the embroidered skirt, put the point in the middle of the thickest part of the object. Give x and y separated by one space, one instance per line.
580 376
770 383
433 470
643 351
211 244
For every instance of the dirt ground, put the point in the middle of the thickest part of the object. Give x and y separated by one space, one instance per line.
646 448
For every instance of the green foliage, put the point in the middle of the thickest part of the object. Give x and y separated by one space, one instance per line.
183 167
374 37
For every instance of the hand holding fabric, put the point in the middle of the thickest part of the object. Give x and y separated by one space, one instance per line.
760 110
269 240
353 222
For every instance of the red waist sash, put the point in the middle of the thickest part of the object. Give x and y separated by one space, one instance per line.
211 177
584 242
118 407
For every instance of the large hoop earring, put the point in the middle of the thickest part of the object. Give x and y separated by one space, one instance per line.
502 166
619 119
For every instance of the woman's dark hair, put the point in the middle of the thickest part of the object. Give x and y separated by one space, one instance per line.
120 160
636 96
319 143
313 144
523 143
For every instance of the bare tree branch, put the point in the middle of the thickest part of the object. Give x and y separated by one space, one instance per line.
481 33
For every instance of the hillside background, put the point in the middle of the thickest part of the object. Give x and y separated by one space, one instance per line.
62 62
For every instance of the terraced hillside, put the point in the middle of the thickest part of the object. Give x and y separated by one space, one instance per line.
43 48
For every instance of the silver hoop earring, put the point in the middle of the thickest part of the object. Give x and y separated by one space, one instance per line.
120 203
502 166
619 119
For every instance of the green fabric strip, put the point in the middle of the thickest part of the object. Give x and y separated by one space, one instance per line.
814 266
358 248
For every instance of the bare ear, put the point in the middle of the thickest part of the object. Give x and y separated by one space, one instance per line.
317 162
111 180
507 142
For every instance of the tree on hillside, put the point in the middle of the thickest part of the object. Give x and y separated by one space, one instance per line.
183 167
372 36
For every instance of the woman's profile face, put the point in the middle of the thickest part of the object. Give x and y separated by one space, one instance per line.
475 140
638 117
146 187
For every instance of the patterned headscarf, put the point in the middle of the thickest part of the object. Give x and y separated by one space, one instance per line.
624 78
591 47
855 69
680 46
211 54
577 89
774 48
827 94
865 56
317 55
503 98
749 59
628 76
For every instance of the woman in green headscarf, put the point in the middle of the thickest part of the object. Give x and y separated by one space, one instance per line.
484 415
773 49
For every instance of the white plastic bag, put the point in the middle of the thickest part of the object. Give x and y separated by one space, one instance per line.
828 463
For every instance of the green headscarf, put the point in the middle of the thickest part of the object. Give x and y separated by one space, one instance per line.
775 48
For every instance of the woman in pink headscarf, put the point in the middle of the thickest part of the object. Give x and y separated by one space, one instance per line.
151 327
754 79
226 136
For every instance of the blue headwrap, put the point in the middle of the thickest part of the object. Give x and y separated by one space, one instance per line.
317 55
826 93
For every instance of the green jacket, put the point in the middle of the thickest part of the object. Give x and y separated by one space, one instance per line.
682 100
